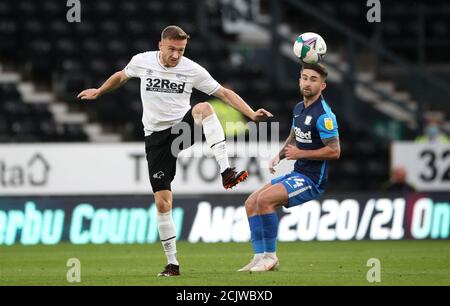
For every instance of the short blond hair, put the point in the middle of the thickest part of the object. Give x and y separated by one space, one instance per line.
174 32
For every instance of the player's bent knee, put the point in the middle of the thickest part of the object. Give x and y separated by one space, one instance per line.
206 109
250 205
163 199
162 204
260 201
201 111
263 203
250 202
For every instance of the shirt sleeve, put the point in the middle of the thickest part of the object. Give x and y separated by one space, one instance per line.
204 82
132 69
327 126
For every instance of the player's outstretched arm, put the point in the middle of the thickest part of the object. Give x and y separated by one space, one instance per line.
115 81
233 99
331 150
281 155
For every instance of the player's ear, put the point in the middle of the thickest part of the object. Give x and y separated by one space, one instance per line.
159 45
323 86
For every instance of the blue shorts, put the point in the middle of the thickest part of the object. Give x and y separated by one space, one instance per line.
300 188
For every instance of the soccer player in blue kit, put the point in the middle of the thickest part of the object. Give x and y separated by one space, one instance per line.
313 141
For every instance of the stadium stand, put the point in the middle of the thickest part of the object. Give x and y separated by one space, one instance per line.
63 58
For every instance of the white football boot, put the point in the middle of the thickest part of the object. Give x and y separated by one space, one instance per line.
251 264
267 263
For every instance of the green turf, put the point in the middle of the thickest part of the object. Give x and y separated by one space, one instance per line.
302 263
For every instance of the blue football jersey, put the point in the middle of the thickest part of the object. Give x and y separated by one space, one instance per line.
311 125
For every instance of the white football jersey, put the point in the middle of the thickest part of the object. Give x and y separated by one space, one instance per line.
166 92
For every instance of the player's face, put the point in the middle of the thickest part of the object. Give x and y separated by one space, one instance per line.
311 83
172 51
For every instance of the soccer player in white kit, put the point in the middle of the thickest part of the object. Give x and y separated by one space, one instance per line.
167 80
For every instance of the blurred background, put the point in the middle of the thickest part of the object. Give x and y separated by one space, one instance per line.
389 83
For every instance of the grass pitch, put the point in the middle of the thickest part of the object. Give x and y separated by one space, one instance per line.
301 263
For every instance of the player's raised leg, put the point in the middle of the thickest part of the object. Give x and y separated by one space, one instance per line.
204 114
167 233
267 202
256 229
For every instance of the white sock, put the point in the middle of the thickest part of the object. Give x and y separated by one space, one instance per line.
166 229
258 256
215 138
172 259
271 254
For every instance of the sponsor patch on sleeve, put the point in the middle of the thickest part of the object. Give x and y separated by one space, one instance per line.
328 123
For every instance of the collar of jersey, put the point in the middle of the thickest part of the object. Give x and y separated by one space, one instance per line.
160 64
320 98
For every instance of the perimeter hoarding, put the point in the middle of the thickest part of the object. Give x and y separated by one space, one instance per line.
132 219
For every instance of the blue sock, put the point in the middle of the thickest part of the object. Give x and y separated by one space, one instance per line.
270 232
256 229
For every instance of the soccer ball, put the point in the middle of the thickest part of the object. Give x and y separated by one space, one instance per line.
310 47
